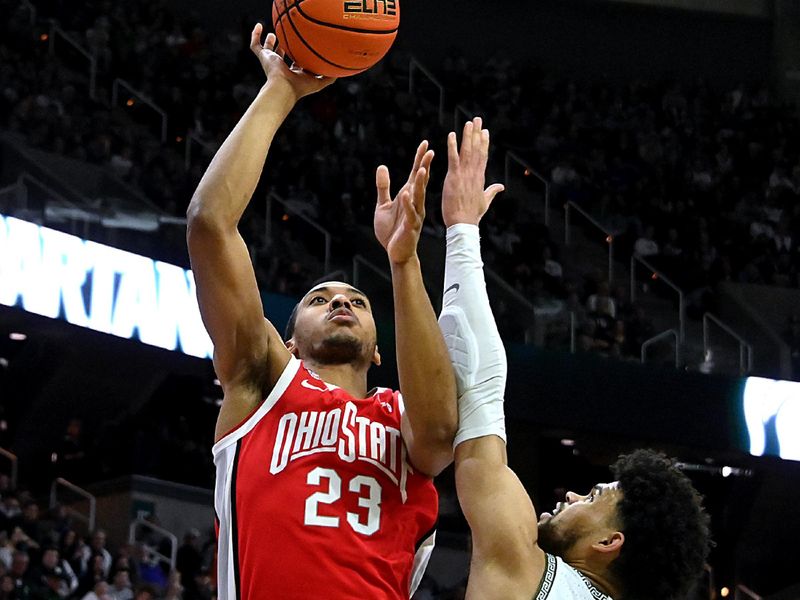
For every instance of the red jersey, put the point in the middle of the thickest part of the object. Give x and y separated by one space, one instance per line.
315 498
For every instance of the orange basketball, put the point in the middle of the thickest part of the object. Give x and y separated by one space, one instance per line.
336 38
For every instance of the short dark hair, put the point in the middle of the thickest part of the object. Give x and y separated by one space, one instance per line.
289 331
666 528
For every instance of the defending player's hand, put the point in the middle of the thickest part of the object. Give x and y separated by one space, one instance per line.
398 222
300 83
464 199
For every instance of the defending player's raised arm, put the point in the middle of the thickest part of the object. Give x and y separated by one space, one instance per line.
506 563
426 377
248 352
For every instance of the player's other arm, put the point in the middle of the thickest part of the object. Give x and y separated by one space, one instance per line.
506 561
424 369
248 352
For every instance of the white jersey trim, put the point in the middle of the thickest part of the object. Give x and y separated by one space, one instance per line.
421 558
561 581
242 430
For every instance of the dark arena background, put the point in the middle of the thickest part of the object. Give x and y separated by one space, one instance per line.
643 263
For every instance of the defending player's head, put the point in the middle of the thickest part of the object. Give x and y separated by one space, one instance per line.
647 531
333 325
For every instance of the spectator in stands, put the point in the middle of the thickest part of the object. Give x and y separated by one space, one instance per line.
72 547
646 245
97 546
21 541
53 577
189 561
145 592
30 524
69 456
121 588
204 586
8 588
20 572
174 589
6 550
601 303
101 591
150 571
10 512
124 562
94 573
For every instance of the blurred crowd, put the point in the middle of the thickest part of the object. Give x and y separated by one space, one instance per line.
705 183
44 557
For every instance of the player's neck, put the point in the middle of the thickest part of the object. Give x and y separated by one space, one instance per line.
348 377
600 578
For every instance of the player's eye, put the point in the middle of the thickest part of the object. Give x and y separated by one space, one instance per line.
317 300
359 302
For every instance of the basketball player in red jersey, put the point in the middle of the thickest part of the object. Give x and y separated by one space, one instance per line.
323 489
641 537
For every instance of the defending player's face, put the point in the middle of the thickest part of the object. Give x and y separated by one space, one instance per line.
579 518
334 325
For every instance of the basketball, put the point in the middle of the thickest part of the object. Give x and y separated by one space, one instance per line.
336 38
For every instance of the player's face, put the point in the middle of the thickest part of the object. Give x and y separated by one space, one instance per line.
335 325
579 518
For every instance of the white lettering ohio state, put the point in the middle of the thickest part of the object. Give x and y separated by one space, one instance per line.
341 431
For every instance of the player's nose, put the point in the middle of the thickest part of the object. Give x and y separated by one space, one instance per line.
572 497
338 301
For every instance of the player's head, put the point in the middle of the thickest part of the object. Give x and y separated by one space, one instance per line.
647 530
333 324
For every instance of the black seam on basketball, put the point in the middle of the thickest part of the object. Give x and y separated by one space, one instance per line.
317 54
285 39
286 10
342 27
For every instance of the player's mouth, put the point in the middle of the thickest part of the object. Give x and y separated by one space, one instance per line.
342 315
546 516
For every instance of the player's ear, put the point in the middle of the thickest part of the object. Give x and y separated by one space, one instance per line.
611 543
291 345
376 357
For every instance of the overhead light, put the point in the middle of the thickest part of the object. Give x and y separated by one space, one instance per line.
217 383
568 442
726 471
17 337
724 592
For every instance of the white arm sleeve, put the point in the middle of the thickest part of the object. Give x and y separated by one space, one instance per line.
474 344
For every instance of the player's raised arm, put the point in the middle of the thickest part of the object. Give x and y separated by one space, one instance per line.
424 370
499 511
248 353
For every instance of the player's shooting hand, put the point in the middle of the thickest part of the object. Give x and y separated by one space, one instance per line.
464 199
398 222
300 83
